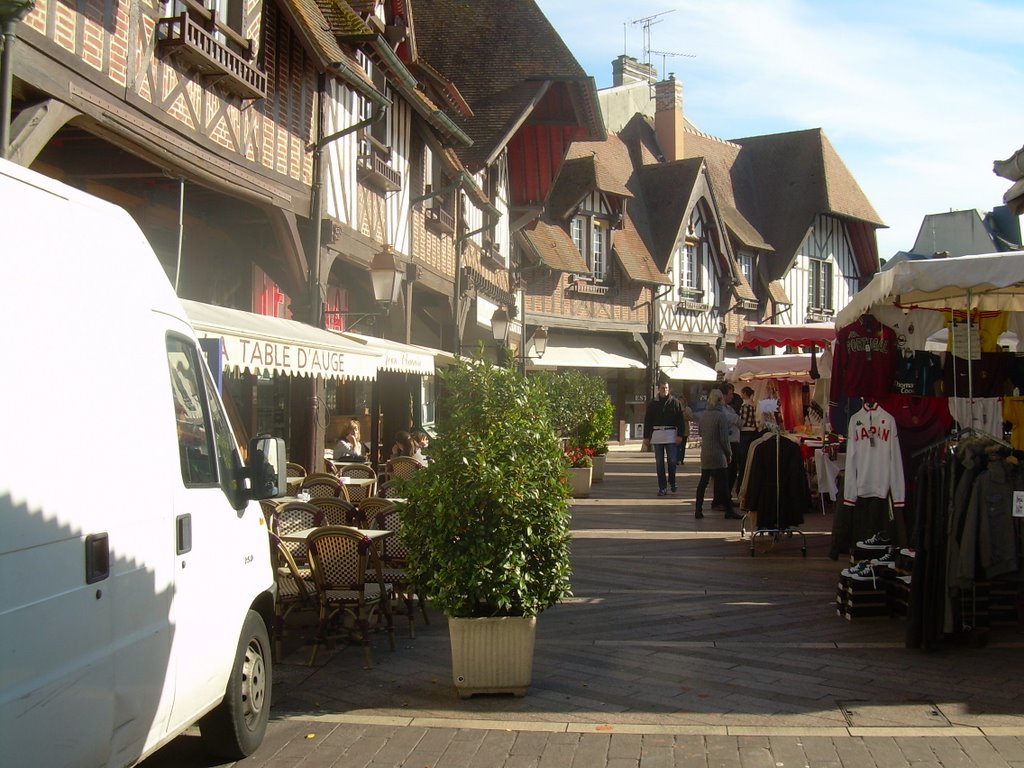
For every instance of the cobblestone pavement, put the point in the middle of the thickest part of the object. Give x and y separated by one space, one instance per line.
678 648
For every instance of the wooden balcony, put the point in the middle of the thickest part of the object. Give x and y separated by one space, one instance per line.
438 220
186 40
700 325
373 169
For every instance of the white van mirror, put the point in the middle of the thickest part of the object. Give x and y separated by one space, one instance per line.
268 466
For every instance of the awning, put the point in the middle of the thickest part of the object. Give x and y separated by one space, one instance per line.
400 357
259 343
568 351
687 370
780 367
803 335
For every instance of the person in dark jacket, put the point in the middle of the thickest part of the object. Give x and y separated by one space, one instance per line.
715 455
665 413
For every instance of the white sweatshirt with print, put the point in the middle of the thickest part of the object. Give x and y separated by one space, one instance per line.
874 466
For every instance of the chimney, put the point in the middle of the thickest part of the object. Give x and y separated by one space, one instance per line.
626 69
668 117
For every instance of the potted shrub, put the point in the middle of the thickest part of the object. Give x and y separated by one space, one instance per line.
487 523
580 411
581 470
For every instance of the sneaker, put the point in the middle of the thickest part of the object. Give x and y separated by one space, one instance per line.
673 489
699 515
888 560
662 492
878 540
861 568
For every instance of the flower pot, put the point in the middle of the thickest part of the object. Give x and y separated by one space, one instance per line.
492 655
580 479
599 461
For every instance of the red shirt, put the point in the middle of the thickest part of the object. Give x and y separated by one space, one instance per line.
864 360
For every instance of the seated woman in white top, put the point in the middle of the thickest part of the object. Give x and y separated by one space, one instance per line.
350 446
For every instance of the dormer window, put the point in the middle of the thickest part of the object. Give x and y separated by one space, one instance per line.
592 235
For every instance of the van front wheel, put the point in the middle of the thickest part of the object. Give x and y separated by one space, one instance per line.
235 728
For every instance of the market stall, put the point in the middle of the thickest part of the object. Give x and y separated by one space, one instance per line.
927 421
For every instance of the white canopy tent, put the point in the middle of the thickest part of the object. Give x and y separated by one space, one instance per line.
990 281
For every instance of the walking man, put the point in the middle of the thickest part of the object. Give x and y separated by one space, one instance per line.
665 429
715 455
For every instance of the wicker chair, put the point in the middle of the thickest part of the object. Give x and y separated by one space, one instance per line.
295 591
357 493
349 581
321 485
384 515
296 516
295 470
338 511
403 467
389 489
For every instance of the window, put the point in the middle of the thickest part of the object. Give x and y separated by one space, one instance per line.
206 447
819 284
576 231
591 234
690 271
598 249
747 267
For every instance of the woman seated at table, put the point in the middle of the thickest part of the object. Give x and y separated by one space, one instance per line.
405 445
350 446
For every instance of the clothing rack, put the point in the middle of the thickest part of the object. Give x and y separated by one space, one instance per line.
777 531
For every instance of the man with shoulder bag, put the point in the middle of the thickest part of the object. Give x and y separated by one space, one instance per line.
665 429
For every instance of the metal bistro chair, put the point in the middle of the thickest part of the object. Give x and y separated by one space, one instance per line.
322 485
389 489
295 516
384 515
349 582
338 512
295 591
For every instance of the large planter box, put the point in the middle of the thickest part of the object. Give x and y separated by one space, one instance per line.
492 655
580 479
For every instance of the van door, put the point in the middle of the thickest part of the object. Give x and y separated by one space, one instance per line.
222 553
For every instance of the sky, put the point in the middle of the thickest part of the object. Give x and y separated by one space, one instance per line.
919 97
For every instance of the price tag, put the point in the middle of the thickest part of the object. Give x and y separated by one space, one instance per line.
1018 503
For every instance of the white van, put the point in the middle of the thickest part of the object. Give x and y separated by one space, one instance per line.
137 590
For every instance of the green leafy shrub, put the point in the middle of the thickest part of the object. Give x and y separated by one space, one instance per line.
487 522
579 408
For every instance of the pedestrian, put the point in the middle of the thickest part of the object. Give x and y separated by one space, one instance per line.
715 455
664 429
731 411
748 433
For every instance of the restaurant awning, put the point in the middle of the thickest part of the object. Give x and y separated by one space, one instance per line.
580 351
260 343
400 357
687 370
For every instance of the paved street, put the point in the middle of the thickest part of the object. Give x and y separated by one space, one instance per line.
677 649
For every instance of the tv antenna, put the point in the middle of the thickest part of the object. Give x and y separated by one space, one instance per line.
673 54
645 24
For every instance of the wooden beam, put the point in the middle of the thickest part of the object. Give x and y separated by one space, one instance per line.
286 229
34 126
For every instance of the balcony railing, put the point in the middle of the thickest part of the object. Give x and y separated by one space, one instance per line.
438 219
184 38
372 166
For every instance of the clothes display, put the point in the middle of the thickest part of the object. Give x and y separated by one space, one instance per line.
874 466
776 483
864 360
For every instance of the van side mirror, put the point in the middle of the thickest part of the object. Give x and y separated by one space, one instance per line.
268 467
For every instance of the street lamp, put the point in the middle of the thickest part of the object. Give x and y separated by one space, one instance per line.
11 12
386 273
499 325
540 341
675 352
